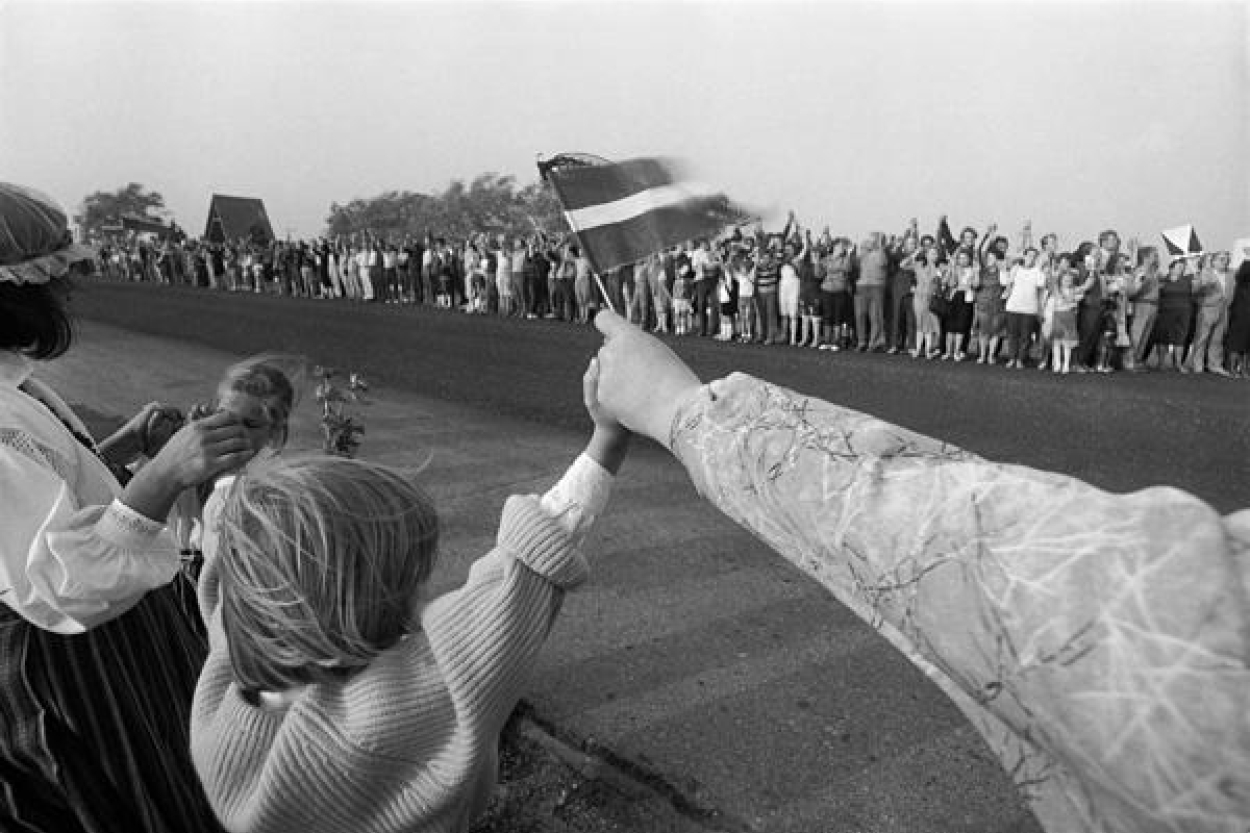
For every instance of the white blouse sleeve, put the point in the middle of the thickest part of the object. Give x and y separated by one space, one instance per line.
66 567
579 498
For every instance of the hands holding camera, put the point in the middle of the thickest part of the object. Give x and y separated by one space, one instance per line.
184 453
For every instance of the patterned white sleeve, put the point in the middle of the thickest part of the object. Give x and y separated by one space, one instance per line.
579 498
1098 641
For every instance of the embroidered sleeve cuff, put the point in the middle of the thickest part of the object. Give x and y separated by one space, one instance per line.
127 529
579 498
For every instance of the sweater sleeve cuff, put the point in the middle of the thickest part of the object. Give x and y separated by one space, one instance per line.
538 541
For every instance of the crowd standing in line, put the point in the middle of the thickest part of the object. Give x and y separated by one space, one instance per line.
334 694
1098 307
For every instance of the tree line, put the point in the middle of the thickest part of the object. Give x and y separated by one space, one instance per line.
490 202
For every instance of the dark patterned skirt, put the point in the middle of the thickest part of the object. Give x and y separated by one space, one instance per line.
95 727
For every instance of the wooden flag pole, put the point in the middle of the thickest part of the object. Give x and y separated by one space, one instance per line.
603 289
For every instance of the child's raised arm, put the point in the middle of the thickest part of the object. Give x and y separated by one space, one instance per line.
610 441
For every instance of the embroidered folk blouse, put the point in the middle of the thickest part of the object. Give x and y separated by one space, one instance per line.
71 554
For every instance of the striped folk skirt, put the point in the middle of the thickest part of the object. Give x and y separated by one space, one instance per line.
94 727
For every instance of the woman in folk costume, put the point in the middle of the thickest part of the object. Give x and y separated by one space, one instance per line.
98 661
1099 642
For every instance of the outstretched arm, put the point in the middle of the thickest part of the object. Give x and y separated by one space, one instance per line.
1096 640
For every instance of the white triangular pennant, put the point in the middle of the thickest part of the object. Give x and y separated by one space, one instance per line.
1182 241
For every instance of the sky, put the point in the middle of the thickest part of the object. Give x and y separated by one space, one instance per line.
859 116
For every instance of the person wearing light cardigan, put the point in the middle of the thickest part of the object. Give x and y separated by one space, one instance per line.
335 695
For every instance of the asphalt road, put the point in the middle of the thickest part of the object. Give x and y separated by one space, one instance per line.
1121 432
695 658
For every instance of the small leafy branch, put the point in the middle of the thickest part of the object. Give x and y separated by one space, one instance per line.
341 428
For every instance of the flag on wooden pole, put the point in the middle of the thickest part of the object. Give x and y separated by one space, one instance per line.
622 212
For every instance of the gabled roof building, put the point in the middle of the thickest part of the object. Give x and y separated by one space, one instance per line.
234 218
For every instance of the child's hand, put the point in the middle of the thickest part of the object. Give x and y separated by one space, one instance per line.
610 442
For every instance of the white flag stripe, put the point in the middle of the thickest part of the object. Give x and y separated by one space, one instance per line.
635 205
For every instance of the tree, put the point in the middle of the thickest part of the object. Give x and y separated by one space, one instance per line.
105 208
489 203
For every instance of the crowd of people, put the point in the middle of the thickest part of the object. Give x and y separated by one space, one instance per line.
1097 307
195 634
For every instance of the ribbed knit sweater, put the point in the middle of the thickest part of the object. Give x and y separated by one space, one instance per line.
409 743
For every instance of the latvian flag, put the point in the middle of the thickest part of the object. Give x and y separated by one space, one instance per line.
622 212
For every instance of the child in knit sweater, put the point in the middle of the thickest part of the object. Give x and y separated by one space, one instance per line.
337 695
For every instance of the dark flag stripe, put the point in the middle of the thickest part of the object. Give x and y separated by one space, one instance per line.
580 187
631 241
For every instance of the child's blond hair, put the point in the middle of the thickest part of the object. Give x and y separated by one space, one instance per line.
321 563
273 379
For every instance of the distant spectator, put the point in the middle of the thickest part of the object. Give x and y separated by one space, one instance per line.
960 284
742 269
809 295
902 292
836 303
991 317
583 288
1172 324
1144 296
1238 341
923 264
1213 293
1025 283
874 265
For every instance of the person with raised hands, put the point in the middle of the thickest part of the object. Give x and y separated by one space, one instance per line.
1099 642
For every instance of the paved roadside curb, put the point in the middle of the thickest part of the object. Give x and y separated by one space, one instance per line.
594 761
